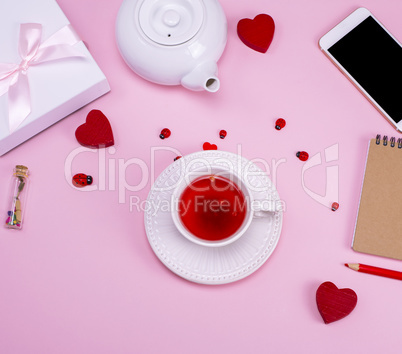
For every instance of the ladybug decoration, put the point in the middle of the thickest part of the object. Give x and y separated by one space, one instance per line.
165 133
222 134
280 123
334 206
81 180
302 155
176 158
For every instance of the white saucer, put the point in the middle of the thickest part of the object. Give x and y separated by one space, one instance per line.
211 265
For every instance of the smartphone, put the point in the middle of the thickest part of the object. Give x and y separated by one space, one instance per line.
371 58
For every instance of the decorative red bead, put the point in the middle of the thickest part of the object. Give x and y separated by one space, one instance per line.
280 123
165 133
302 155
222 134
176 158
334 206
208 146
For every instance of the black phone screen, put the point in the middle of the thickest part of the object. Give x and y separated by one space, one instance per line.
374 60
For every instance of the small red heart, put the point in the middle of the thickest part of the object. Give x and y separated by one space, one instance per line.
333 303
96 132
258 33
208 146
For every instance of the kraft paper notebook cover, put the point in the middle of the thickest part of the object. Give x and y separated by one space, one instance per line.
378 228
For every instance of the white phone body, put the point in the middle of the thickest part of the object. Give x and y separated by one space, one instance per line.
371 59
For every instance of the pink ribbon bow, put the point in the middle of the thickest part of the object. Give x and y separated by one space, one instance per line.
13 77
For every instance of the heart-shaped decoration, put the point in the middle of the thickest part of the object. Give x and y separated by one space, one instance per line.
333 303
208 146
258 33
96 132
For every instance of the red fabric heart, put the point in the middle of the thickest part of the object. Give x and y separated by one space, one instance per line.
208 146
258 33
333 303
96 132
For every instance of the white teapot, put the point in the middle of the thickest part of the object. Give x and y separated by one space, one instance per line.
173 42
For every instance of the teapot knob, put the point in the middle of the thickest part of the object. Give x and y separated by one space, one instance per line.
171 18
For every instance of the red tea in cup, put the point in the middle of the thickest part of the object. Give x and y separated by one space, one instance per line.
212 208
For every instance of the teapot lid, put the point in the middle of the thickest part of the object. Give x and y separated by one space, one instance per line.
171 22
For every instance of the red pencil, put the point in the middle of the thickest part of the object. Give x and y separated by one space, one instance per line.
382 272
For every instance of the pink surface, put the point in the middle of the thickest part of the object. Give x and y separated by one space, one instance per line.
81 276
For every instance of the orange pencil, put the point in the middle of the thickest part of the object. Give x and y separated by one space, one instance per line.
382 272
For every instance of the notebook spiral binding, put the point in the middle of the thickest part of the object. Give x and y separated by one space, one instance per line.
391 141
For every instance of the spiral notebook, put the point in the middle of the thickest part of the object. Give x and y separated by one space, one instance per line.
378 228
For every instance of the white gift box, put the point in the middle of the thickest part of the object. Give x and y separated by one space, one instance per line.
56 87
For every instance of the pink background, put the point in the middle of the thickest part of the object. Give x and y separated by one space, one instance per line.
82 278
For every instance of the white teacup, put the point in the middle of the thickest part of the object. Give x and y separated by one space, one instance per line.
252 208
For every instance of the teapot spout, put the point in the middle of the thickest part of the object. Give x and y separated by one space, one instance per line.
203 77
